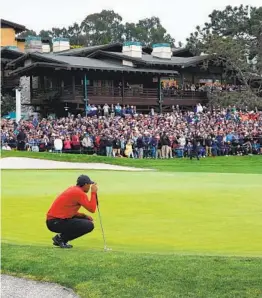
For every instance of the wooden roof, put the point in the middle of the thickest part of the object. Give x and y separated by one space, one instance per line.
77 63
151 60
8 24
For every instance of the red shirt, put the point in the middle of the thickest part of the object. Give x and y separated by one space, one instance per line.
69 202
75 140
67 144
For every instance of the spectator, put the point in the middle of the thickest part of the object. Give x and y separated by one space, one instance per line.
116 146
221 131
6 147
21 140
58 144
129 150
67 144
75 142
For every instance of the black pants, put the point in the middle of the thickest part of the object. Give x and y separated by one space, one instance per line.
71 228
194 153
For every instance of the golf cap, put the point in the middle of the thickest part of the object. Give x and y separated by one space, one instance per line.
83 179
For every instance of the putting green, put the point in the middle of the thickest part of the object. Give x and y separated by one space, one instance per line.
199 213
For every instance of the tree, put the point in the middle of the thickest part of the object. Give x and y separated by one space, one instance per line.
150 31
102 28
7 104
75 35
47 34
233 39
131 32
107 27
27 33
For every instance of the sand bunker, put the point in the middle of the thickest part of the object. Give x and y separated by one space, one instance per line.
19 163
14 287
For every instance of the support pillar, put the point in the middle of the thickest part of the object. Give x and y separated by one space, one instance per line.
85 92
73 87
182 80
31 88
193 78
123 89
18 104
159 95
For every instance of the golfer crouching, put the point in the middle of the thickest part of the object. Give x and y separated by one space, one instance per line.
63 216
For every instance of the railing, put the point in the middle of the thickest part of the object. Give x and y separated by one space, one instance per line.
10 82
114 95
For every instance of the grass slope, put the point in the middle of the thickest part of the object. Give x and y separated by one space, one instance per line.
99 274
231 164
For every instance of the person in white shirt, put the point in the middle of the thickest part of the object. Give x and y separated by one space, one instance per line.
199 108
152 112
58 144
106 110
6 147
182 141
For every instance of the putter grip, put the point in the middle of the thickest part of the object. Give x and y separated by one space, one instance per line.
97 199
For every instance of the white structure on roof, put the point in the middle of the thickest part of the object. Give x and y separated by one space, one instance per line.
33 44
61 44
162 50
46 48
132 49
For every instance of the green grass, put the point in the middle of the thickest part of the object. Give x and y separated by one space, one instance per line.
231 164
172 234
145 212
99 274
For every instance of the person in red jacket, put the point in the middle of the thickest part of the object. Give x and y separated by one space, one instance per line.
63 216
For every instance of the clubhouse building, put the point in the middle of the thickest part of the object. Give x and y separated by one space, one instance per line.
54 76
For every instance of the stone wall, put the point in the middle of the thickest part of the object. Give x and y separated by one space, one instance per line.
25 95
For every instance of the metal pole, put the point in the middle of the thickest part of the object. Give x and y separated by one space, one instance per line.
100 219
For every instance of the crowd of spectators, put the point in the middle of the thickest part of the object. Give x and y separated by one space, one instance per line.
201 87
173 90
198 133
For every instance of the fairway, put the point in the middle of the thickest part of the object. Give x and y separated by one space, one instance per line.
157 212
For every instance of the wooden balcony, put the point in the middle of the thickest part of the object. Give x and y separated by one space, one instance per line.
10 83
102 95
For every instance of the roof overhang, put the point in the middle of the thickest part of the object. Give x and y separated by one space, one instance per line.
140 61
56 66
37 56
17 27
8 54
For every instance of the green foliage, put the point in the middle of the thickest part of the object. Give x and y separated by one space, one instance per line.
107 27
241 99
7 104
103 27
27 33
233 39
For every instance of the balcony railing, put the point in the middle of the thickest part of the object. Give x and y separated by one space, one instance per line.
10 83
112 95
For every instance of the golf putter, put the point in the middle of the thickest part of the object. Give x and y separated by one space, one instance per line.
103 233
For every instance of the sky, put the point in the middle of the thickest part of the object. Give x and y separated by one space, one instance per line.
179 17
